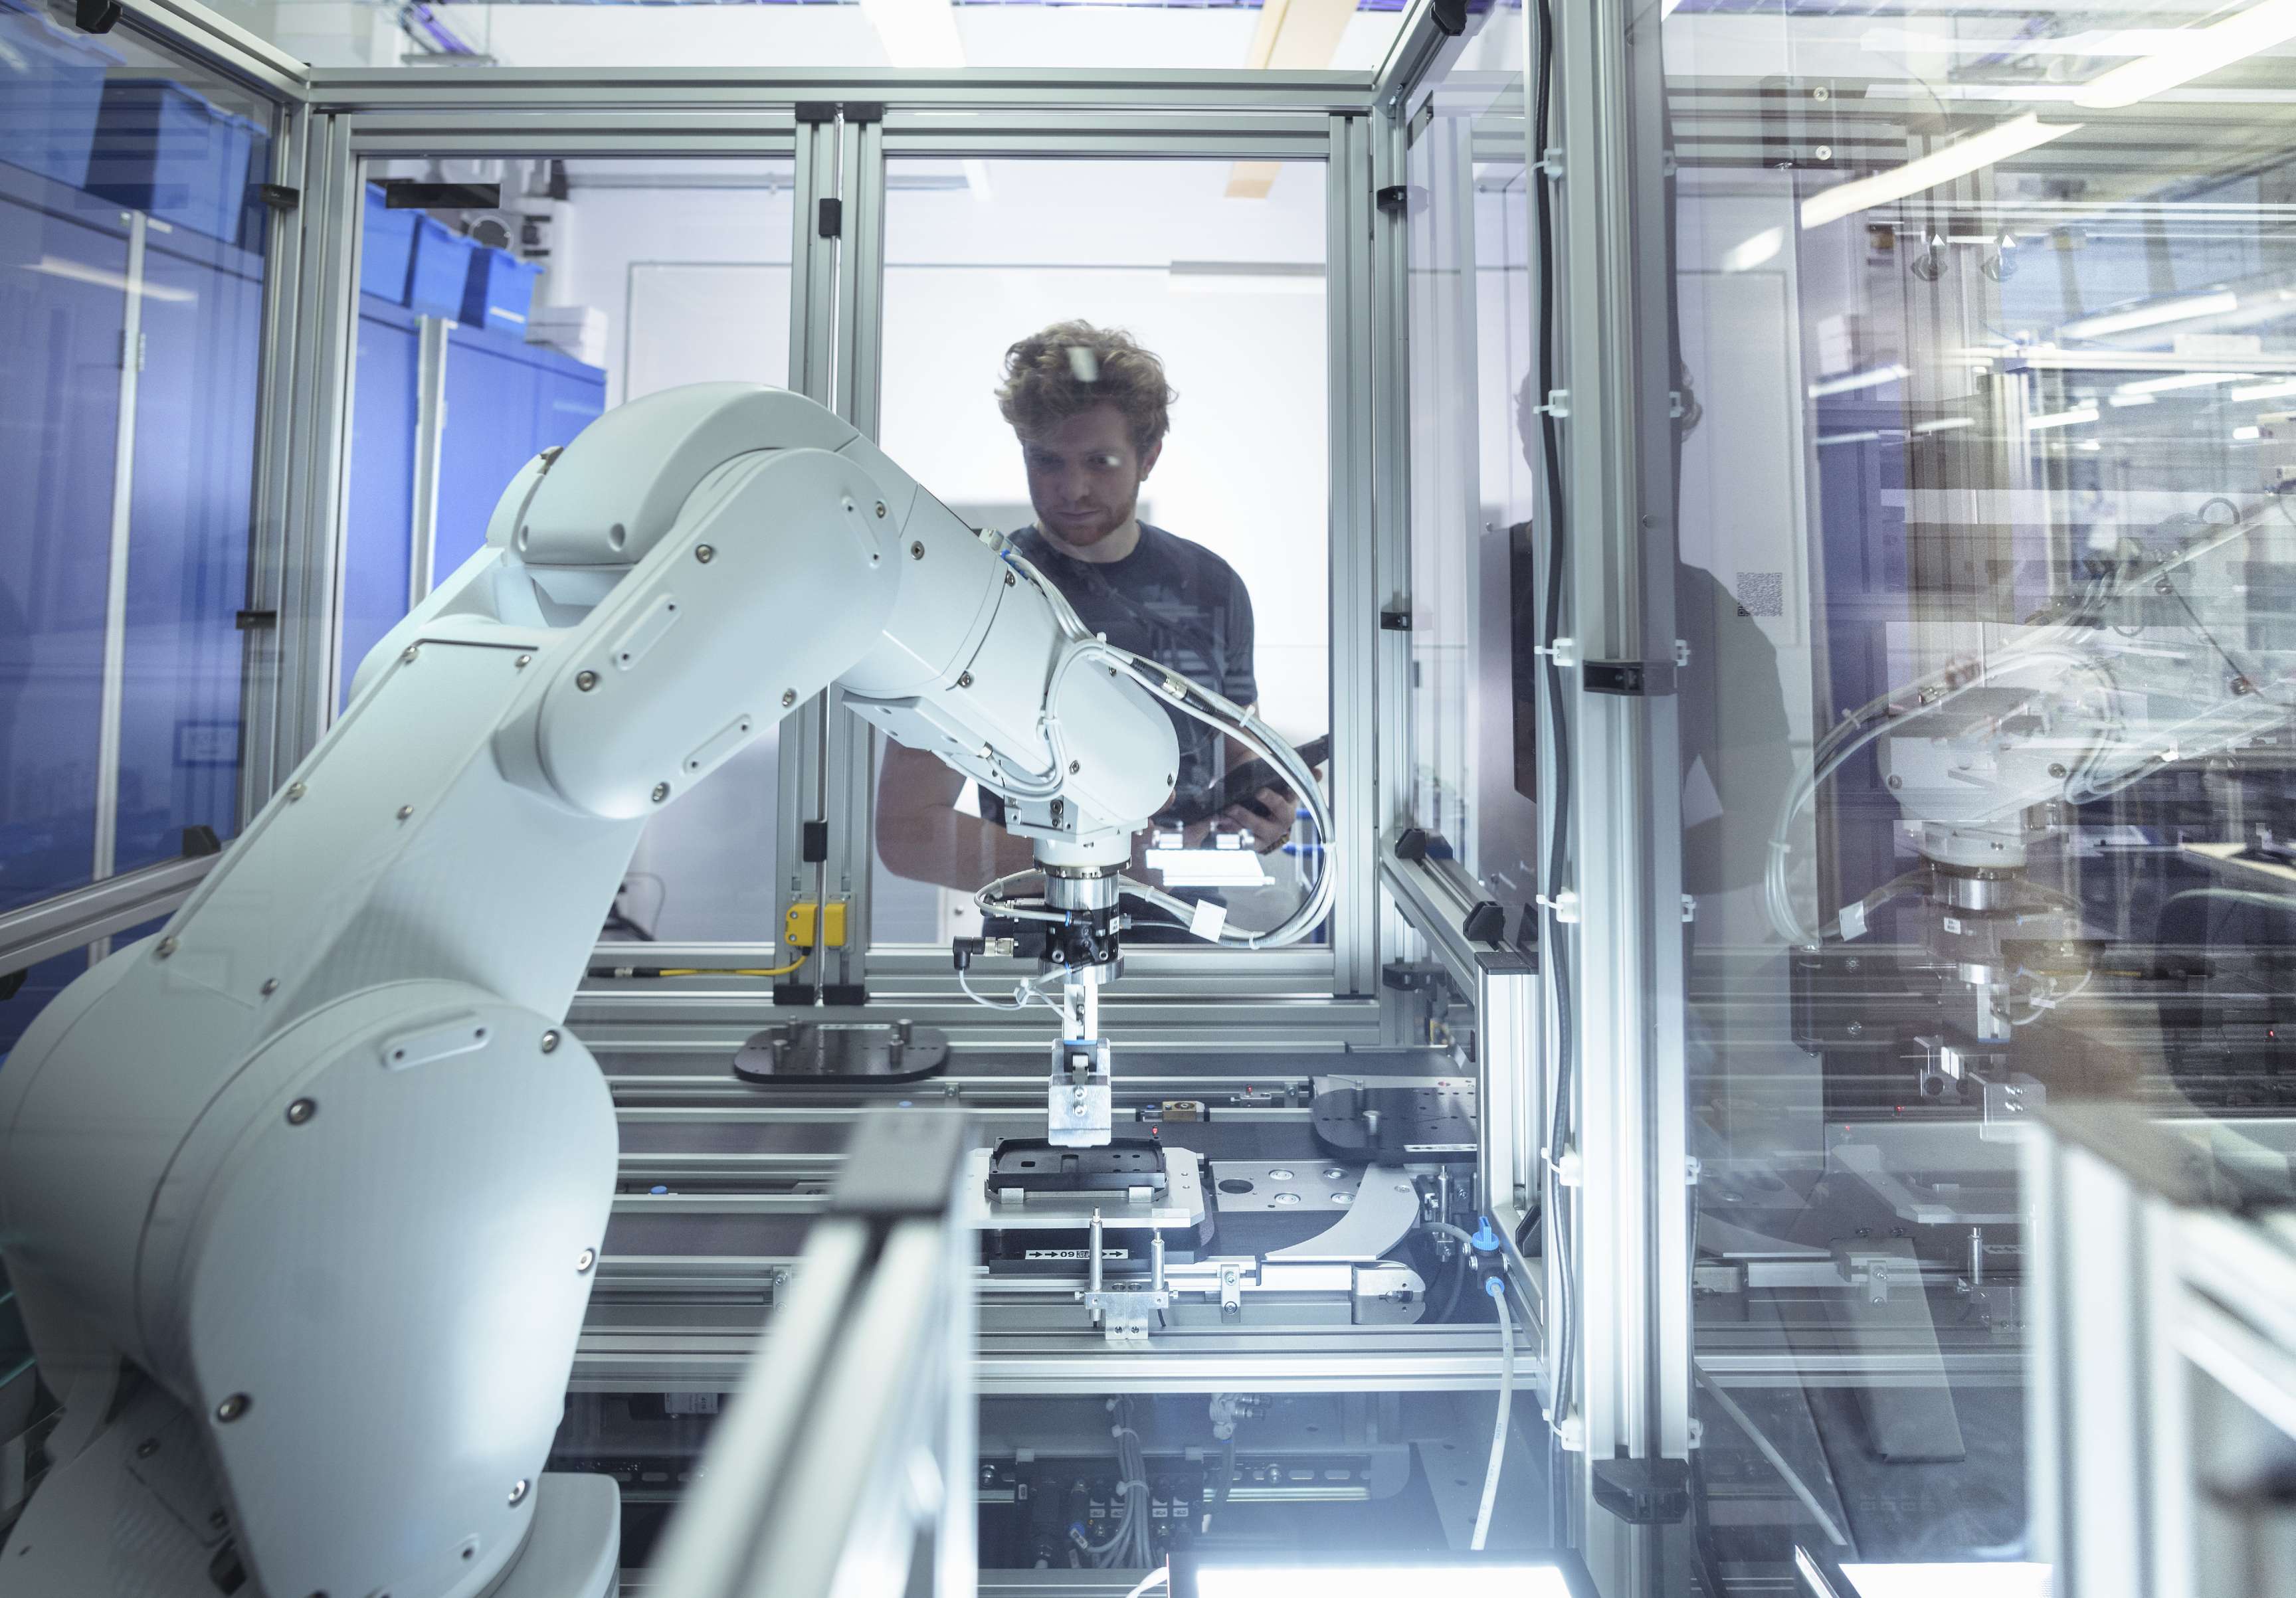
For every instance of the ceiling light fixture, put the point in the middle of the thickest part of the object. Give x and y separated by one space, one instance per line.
2193 53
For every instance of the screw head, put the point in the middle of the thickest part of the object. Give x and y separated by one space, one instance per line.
404 811
518 1491
585 680
232 1408
881 509
147 1447
660 792
2057 768
1824 152
549 1042
965 679
408 658
301 1111
296 790
916 551
1895 781
270 985
704 554
1074 768
1010 579
1855 1028
167 948
523 661
586 1259
789 697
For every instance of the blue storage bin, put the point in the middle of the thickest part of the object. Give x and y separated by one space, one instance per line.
161 149
500 293
51 92
441 273
387 250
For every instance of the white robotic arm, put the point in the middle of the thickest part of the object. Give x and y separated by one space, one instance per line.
302 1198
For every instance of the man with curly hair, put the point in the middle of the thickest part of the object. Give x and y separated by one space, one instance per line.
1090 408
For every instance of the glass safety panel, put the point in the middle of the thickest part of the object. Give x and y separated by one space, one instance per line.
1191 294
1339 35
1473 755
1985 366
132 270
491 332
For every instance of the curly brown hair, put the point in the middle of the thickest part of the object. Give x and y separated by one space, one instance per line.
1071 367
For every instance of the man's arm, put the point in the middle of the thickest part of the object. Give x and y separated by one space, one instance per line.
921 835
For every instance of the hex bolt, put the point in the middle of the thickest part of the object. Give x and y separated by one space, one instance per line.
586 1259
549 1042
917 550
585 680
232 1408
789 697
660 792
270 985
296 790
167 948
404 811
704 554
301 1111
518 1492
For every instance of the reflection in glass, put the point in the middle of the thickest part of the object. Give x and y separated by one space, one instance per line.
1023 316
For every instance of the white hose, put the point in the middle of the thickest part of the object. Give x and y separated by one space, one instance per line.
1161 1575
1498 1431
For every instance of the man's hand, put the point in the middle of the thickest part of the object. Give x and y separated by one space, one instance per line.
1270 831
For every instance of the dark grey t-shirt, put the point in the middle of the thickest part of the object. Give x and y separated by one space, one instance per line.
1176 603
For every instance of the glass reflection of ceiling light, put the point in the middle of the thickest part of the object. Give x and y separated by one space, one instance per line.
2193 52
1945 424
1246 277
2183 380
2243 434
1958 160
2152 315
1871 379
916 33
1208 868
2272 391
2073 418
1763 246
1825 439
1974 1580
59 267
1381 1581
2121 402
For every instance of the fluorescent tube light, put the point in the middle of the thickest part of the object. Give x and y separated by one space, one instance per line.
1763 246
2271 390
1208 868
2073 418
2194 53
2151 315
1871 379
2183 380
1381 1581
1976 1578
1978 150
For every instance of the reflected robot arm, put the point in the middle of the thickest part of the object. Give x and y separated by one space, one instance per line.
303 1198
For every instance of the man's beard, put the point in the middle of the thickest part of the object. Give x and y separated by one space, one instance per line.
1085 534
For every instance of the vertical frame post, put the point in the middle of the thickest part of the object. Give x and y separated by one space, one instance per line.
1629 1332
1350 304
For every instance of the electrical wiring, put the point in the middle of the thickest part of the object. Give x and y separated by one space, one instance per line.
1499 1430
1131 1544
1025 992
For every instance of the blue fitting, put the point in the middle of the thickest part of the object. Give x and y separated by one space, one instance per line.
1486 1240
1495 1286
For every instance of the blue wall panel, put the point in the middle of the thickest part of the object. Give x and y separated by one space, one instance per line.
187 560
381 508
62 266
506 402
